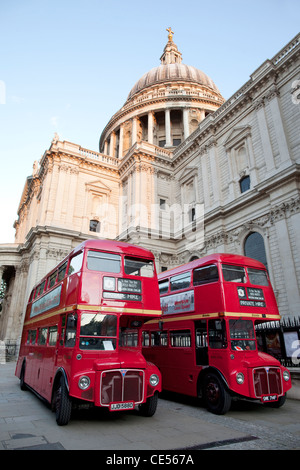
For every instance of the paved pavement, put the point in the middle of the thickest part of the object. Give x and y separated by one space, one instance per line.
179 424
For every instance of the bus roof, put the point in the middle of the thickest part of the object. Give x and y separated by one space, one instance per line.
214 258
115 246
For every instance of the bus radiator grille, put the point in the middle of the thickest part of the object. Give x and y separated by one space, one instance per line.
267 381
122 385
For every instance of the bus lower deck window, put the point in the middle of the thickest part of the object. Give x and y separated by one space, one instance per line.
217 334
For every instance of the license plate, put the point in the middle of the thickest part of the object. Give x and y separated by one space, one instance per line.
121 406
269 398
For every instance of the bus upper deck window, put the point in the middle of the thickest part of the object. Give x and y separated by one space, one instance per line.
62 271
106 262
75 263
139 267
181 281
233 273
52 279
258 277
163 286
205 275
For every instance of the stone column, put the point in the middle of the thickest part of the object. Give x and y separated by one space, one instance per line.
61 182
186 131
206 196
214 171
112 144
278 126
150 127
264 135
121 142
134 131
168 128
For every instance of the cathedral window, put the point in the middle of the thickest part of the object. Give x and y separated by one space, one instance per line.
162 204
254 247
94 226
244 184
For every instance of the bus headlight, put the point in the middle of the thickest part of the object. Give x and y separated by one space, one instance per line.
84 382
240 378
286 375
154 380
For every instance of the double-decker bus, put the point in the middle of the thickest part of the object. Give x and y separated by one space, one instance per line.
205 344
81 339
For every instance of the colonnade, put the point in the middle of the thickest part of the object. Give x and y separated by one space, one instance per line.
114 143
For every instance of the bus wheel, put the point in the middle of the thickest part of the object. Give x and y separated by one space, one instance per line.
63 404
216 397
149 408
23 385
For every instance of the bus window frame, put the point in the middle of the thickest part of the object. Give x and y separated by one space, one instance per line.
113 257
182 276
223 339
226 265
207 280
180 331
41 335
50 343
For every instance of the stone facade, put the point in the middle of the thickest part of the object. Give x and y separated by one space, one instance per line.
181 172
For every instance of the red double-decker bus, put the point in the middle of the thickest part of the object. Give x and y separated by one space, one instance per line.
205 343
81 339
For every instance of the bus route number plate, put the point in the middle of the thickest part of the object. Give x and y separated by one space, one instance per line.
121 406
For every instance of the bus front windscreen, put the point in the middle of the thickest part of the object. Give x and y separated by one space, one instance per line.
242 335
98 331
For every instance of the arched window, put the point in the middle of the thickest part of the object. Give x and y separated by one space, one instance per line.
94 226
254 247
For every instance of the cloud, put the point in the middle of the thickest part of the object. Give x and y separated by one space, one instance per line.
54 121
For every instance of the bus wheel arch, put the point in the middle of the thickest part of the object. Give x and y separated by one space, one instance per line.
214 391
149 407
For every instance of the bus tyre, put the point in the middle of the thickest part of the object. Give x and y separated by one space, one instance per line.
23 385
216 397
63 404
149 408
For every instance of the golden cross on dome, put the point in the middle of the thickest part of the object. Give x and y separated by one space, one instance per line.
170 35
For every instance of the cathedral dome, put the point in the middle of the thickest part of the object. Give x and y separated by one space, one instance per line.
163 107
172 72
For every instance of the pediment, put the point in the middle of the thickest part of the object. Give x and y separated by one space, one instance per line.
188 173
98 186
237 135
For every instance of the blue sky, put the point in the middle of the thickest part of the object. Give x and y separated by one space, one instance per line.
67 66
